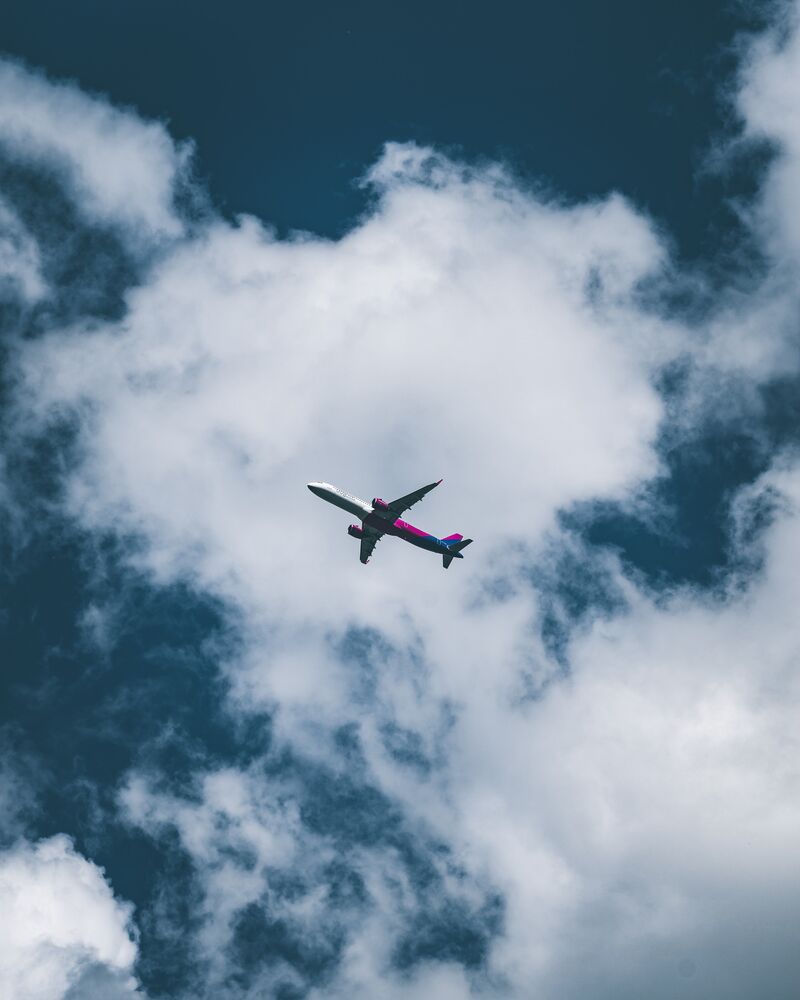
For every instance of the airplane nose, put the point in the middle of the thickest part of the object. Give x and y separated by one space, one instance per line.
315 488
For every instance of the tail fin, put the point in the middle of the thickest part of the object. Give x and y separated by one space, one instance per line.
453 538
455 549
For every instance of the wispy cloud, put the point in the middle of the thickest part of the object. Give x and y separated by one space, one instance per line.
120 169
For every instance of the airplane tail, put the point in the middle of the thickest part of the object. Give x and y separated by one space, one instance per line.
455 544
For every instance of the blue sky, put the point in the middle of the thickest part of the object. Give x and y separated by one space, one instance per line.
587 100
549 255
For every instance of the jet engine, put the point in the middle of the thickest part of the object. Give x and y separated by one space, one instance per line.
380 504
355 531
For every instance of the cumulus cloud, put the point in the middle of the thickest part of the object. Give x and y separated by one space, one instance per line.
438 333
618 820
63 932
645 812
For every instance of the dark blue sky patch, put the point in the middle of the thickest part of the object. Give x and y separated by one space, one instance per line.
20 780
735 261
170 901
347 741
780 419
288 104
689 544
684 535
575 585
83 716
751 515
451 930
343 807
367 654
157 674
348 811
365 650
262 940
87 267
683 532
345 886
406 747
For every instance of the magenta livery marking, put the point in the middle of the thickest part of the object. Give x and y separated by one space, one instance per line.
381 518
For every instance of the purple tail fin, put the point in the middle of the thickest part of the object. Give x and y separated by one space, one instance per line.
453 538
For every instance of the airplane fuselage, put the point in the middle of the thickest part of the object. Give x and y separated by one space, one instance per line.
402 529
374 517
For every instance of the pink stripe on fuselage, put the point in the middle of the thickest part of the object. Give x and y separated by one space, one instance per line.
399 528
409 529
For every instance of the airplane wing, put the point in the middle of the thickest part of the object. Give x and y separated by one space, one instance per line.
397 507
368 542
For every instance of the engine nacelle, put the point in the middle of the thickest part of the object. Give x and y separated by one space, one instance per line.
380 504
355 531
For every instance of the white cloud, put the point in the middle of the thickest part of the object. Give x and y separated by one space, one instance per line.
646 809
121 169
62 932
466 331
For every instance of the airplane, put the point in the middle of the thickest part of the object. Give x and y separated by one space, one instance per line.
380 518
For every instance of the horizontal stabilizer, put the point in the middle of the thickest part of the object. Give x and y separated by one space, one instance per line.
458 546
455 551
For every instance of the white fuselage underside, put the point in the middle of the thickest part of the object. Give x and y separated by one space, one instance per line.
353 505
